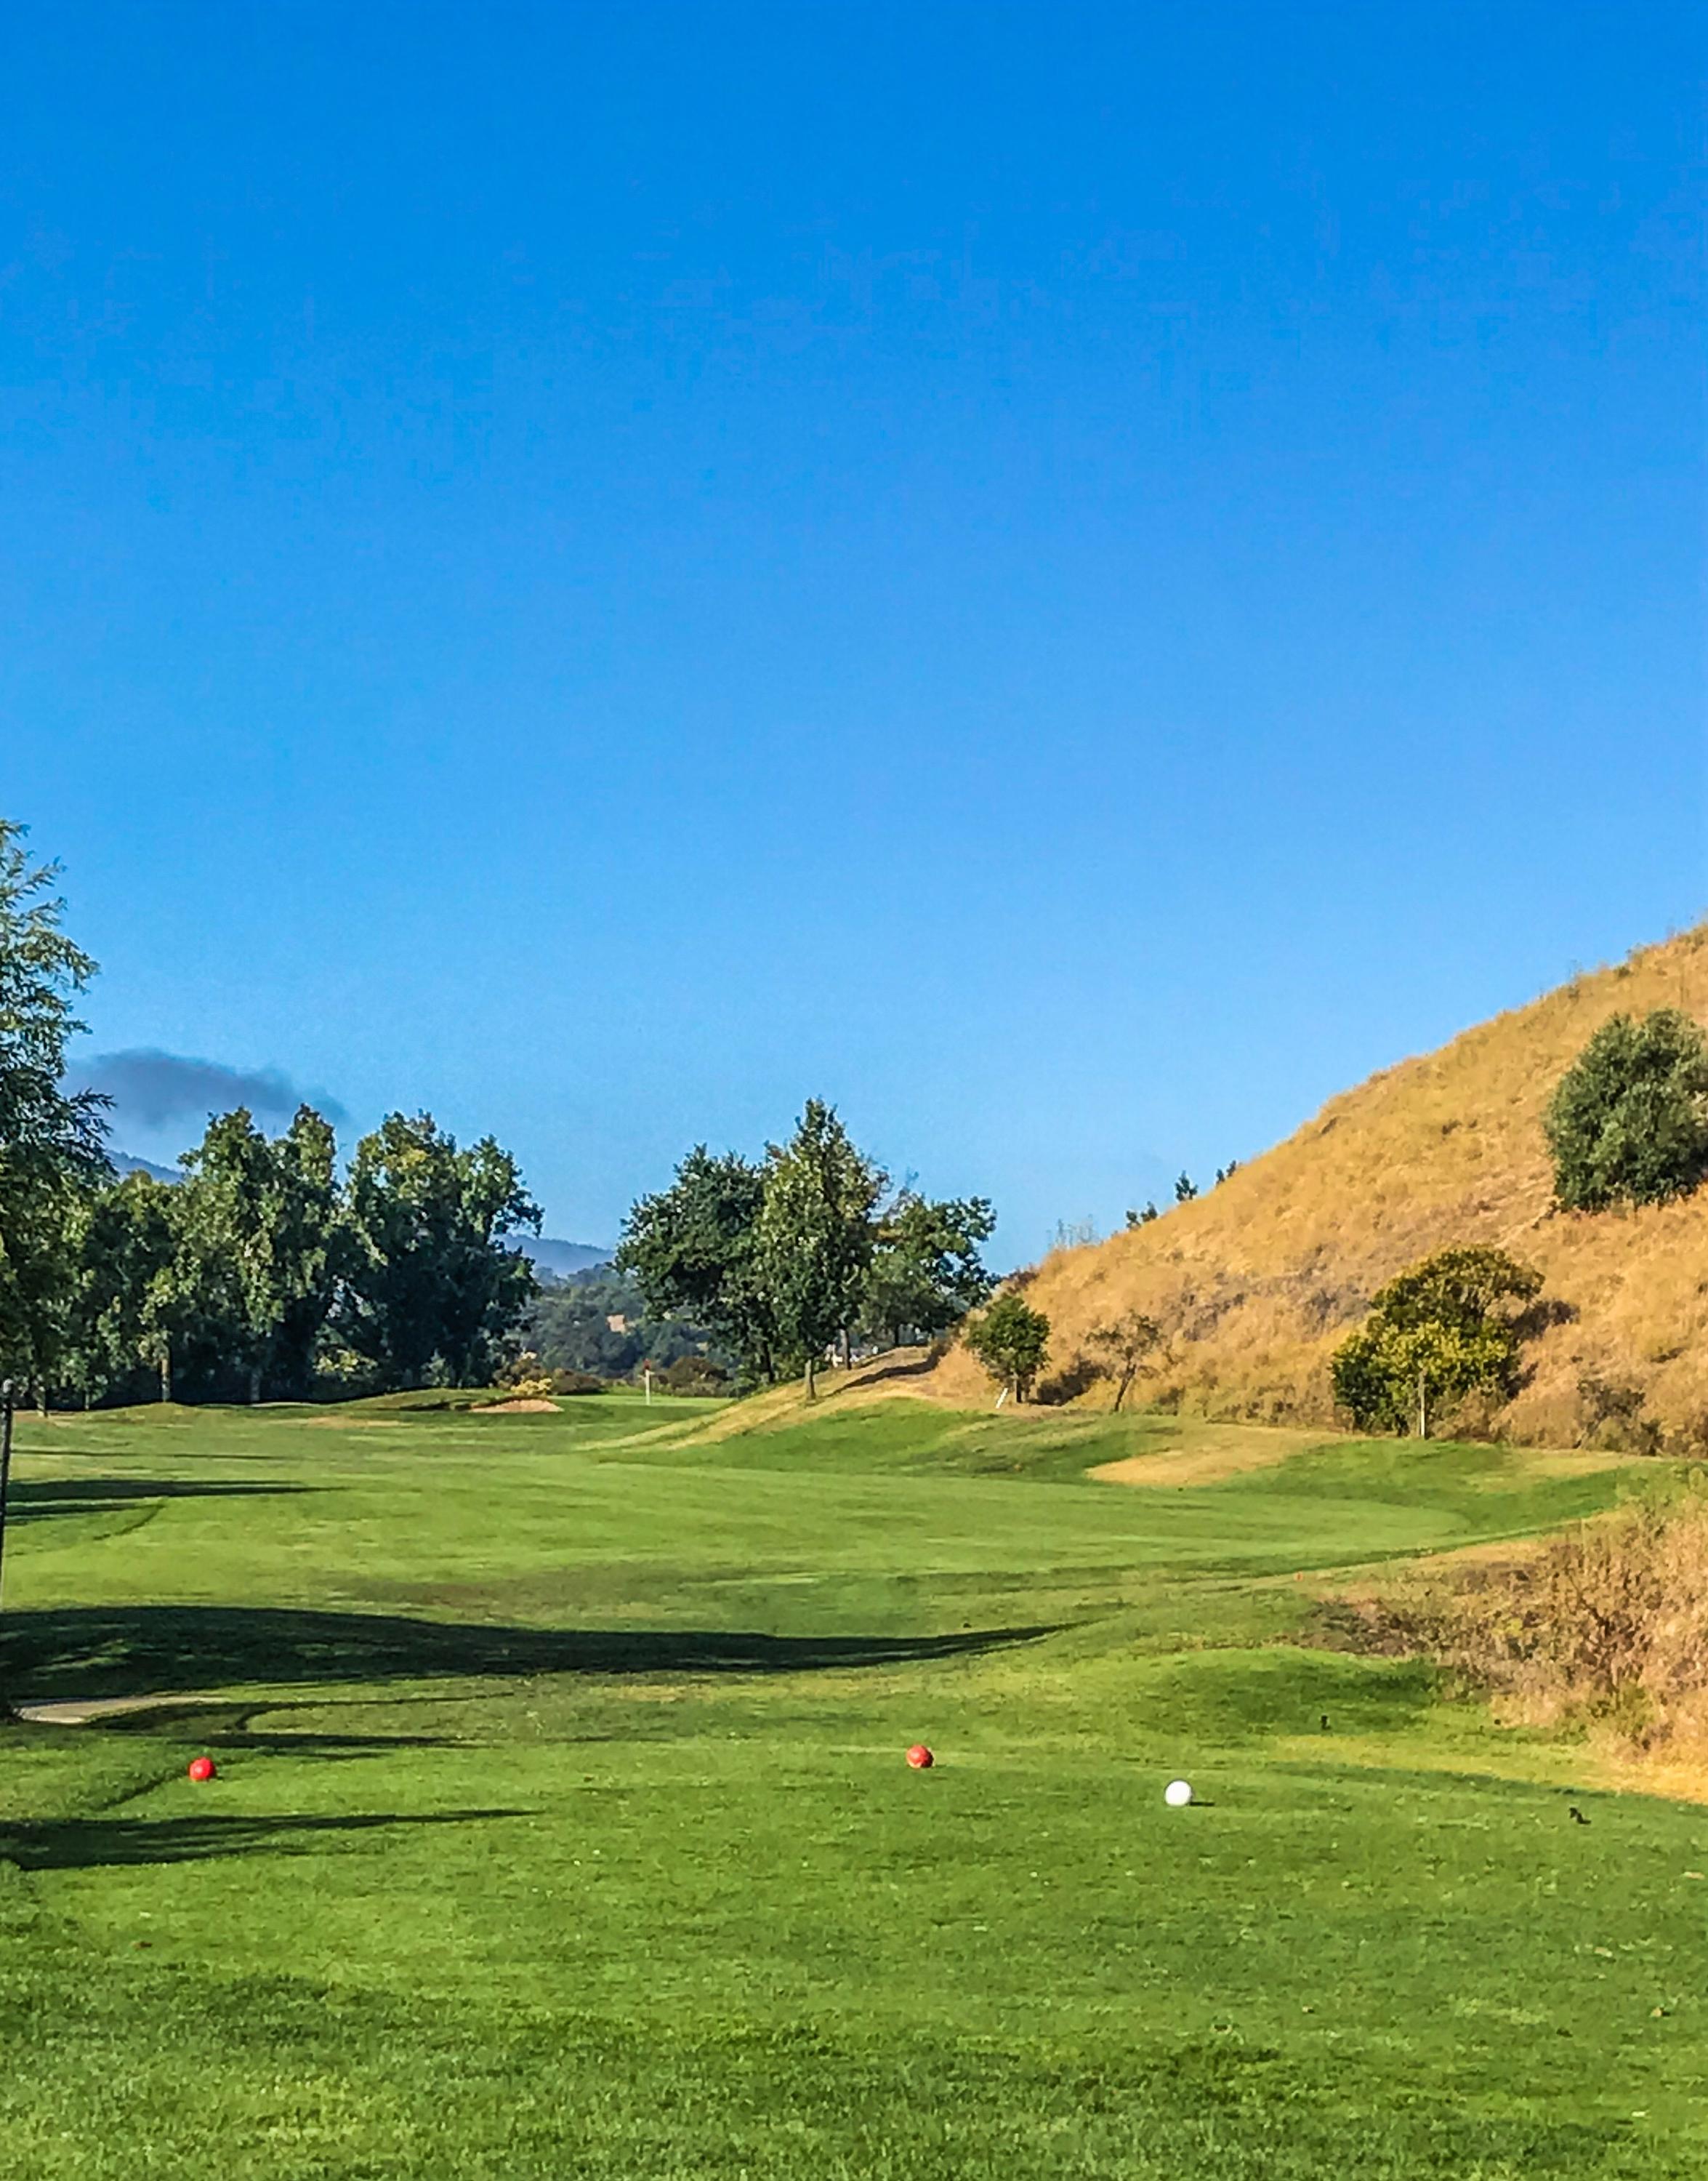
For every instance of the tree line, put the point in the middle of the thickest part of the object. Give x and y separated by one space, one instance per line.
263 1273
788 1259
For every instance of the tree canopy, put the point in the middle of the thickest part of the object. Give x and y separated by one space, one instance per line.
427 1280
1445 1328
52 1146
1012 1340
816 1234
926 1272
777 1261
1627 1123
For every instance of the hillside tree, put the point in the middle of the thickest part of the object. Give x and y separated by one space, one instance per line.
1126 1348
1627 1123
1451 1326
1012 1340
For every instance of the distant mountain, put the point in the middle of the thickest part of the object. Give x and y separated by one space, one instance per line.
122 1163
556 1261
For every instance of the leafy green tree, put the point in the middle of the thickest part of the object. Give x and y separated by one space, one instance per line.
51 1154
258 1223
1449 1327
1627 1123
1141 1218
693 1251
137 1302
816 1234
1185 1189
1012 1340
428 1283
1126 1349
926 1272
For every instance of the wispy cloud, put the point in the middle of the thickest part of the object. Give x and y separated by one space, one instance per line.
152 1090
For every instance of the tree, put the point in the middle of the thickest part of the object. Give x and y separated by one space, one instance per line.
1441 1330
1012 1340
428 1283
1127 1347
137 1299
926 1272
1627 1122
693 1251
1141 1218
51 1154
815 1235
259 1221
1185 1189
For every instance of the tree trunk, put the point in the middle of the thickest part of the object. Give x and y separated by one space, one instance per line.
166 1372
254 1384
847 1349
811 1371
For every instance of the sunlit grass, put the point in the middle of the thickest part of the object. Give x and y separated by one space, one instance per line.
562 1827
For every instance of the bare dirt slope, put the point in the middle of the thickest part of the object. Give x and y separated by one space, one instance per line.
1258 1280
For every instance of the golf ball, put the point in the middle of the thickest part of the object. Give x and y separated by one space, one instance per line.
1177 1794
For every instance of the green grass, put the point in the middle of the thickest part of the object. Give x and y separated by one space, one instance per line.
562 1827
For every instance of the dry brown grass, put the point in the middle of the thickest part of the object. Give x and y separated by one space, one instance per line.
1607 1625
1257 1281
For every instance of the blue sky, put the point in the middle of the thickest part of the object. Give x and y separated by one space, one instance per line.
1070 580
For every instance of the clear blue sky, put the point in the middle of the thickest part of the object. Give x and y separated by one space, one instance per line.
1072 580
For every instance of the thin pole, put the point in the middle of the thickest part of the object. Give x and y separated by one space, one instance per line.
5 1460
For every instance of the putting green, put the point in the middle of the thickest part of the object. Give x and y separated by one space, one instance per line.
562 1825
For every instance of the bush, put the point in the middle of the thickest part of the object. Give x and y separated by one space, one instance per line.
696 1375
1627 1123
1012 1340
1437 1335
575 1381
1609 1623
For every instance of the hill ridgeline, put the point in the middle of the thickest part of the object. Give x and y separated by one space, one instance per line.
1258 1281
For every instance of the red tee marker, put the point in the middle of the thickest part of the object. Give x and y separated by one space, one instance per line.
920 1758
201 1767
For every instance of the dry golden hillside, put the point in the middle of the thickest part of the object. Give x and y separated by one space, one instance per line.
1257 1281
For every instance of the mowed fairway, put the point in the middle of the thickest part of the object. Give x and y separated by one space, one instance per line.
562 1827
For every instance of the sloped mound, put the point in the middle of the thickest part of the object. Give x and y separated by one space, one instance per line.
1258 1281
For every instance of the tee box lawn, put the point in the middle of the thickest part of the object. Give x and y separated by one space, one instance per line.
562 1827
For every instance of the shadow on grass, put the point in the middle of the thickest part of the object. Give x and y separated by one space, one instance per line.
38 1498
106 1843
96 1652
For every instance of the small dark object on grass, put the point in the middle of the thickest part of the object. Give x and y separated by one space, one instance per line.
1326 1719
1577 1816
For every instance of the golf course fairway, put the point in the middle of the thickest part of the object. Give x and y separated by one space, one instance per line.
562 1825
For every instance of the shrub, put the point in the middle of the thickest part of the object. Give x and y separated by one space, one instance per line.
1012 1340
1439 1332
575 1381
1608 1623
695 1374
1627 1123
